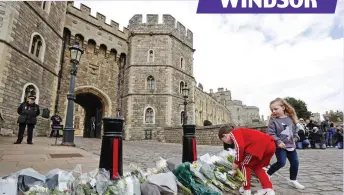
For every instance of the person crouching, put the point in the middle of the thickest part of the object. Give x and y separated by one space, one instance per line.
254 151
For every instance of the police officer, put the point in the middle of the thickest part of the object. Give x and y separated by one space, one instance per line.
28 112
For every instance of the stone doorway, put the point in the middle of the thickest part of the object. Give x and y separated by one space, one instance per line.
93 112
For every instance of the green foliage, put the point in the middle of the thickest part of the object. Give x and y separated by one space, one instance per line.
300 107
336 116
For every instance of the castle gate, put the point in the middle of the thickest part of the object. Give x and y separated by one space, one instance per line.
96 105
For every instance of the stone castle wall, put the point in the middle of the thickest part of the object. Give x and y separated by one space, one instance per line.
207 135
208 108
105 48
20 23
114 68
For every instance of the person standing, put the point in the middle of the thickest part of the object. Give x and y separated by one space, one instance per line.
326 129
282 127
56 120
28 112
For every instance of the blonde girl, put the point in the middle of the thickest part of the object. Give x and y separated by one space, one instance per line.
282 127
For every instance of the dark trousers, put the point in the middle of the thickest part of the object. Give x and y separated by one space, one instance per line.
57 134
22 130
329 136
282 155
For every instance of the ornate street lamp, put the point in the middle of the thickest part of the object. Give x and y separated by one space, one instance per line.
189 139
185 91
68 131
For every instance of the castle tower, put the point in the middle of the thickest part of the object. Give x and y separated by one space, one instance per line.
160 63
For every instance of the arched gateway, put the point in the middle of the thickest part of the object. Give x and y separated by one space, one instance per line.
96 105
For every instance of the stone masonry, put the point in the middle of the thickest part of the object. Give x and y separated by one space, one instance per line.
137 72
20 21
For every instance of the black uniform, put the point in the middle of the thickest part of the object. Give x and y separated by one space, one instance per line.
27 117
56 119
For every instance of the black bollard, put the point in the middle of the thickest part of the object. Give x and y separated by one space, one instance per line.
111 154
189 143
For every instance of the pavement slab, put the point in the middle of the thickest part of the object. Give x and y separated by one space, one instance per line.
321 171
37 156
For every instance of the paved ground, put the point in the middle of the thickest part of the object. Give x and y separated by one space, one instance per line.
321 171
16 157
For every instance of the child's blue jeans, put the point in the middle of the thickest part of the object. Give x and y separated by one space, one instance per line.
282 155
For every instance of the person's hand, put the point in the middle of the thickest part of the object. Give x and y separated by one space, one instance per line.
234 169
281 145
235 166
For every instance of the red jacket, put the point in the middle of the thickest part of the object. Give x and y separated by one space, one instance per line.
249 141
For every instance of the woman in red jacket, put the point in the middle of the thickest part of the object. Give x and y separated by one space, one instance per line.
254 151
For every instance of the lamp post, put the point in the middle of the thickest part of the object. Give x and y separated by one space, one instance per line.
189 138
68 131
185 95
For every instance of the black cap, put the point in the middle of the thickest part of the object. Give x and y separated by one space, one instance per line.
32 97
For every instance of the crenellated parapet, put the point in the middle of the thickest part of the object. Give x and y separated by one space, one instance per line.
84 13
252 107
169 26
237 102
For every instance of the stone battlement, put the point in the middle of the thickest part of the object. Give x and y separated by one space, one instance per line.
84 13
169 25
252 107
237 102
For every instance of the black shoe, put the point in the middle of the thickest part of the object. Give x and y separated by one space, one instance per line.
16 142
29 143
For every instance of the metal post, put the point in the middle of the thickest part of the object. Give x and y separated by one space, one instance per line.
68 131
185 119
111 154
189 143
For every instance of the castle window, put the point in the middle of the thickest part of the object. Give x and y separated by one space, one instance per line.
150 56
113 54
182 117
181 86
238 109
102 49
181 63
45 5
91 46
238 117
149 115
37 46
79 39
150 82
30 89
123 59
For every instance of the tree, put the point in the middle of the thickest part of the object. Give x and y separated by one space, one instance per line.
300 107
336 116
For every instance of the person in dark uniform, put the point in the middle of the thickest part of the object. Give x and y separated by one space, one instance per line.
56 119
28 112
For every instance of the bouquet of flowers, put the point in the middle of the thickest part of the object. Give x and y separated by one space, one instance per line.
37 190
59 182
117 187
